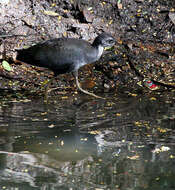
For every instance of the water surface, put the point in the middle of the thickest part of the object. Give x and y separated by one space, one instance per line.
119 143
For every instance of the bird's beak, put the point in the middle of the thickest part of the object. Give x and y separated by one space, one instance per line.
111 46
107 48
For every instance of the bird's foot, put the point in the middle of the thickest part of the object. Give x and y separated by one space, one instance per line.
90 93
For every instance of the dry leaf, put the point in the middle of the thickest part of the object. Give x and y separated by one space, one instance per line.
51 13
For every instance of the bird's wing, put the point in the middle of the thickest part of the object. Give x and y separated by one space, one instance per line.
60 54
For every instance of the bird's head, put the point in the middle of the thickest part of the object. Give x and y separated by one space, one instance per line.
104 40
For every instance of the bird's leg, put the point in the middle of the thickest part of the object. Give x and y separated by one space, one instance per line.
75 73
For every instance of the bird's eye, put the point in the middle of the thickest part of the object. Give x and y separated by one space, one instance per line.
111 41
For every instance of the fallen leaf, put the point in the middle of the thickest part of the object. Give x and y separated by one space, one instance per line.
88 84
62 143
119 4
51 126
133 157
111 21
51 13
94 132
6 66
161 149
64 97
153 98
172 156
102 115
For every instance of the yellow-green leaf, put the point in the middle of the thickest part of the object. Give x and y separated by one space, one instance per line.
6 66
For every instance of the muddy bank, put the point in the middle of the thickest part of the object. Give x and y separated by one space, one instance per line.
143 56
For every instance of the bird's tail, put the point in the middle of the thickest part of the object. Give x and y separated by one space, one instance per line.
24 56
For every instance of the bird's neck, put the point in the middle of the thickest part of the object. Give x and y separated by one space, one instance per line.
94 53
99 51
97 45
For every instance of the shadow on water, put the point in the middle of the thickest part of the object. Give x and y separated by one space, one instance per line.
127 143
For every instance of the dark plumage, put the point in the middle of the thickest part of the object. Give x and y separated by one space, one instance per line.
64 55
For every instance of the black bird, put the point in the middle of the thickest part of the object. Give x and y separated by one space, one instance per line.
64 55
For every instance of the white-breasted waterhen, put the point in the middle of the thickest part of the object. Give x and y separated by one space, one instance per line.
64 55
